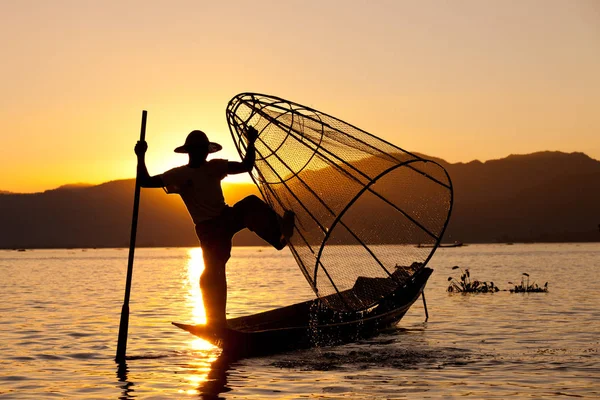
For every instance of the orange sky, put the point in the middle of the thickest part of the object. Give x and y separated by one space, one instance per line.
458 80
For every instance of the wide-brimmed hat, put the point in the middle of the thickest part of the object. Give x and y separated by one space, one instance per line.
198 140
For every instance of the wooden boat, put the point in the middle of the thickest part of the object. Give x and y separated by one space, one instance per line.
310 324
330 174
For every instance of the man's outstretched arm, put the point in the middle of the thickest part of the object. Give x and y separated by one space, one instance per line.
248 162
143 177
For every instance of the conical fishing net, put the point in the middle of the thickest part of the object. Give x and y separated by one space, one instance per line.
368 214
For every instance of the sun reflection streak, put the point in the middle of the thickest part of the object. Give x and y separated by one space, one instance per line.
195 268
201 367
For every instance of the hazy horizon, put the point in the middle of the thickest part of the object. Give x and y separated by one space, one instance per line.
245 178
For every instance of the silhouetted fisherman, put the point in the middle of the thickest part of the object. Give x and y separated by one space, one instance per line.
199 185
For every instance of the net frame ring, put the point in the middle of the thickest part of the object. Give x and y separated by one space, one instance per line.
262 121
238 124
339 220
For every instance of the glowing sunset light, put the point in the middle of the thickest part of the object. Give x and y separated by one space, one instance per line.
459 81
202 372
194 296
195 267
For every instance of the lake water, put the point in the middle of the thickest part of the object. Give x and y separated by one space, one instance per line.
60 314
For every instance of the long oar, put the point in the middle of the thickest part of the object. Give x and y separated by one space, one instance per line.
124 325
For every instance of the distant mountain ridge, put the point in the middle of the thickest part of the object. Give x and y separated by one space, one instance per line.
71 186
545 196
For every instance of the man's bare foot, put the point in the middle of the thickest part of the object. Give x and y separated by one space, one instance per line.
287 224
217 326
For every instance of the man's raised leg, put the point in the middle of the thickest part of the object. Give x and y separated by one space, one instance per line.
257 216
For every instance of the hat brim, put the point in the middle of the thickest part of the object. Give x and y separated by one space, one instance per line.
212 148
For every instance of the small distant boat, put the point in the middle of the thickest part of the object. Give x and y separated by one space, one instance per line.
309 324
455 244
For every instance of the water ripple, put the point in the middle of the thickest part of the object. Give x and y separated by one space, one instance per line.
61 309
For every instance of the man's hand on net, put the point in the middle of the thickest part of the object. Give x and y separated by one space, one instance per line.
251 134
140 148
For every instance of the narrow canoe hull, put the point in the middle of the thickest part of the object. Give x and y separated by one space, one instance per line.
309 324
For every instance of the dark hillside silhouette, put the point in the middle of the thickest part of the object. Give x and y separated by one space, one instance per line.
546 196
100 216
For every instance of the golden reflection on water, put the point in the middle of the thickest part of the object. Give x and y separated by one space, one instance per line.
195 268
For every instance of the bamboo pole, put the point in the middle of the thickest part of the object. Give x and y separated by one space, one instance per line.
124 324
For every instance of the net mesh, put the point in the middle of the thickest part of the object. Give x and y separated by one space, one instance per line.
353 195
